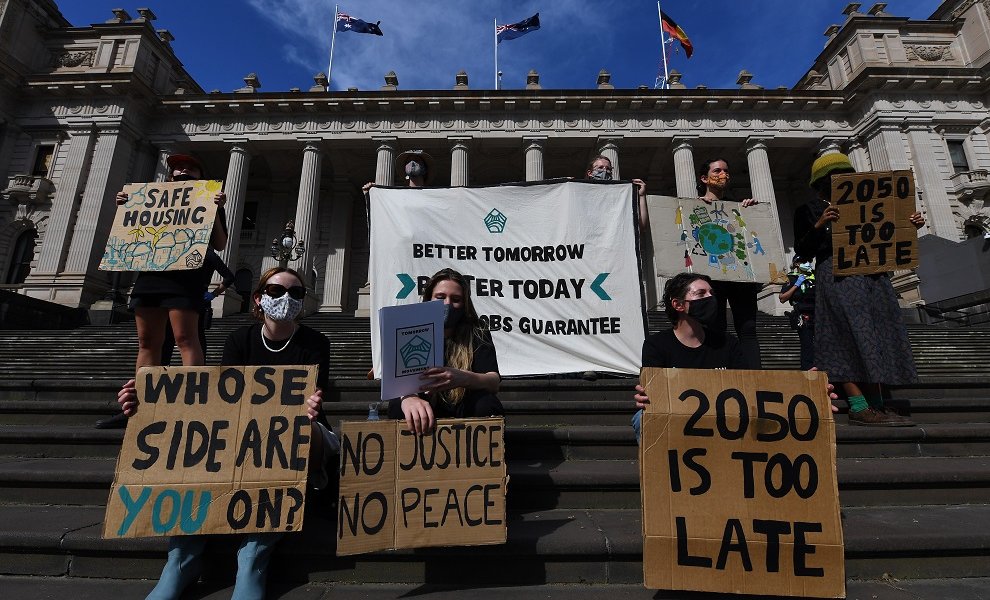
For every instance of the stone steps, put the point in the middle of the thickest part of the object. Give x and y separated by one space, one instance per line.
592 546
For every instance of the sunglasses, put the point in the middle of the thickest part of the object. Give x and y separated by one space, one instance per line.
296 292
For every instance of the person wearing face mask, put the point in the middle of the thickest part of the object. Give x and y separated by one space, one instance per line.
415 165
860 337
600 169
800 292
467 385
693 343
276 340
713 187
174 297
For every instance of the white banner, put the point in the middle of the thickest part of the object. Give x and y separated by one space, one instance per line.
554 268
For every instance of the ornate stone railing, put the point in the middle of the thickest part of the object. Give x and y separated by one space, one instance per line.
971 183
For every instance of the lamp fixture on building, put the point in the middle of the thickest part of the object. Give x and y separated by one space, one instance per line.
286 247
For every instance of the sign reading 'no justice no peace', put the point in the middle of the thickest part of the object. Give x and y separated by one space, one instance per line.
738 482
401 490
874 233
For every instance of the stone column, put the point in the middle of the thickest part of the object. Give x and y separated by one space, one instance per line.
534 158
161 168
235 185
886 148
335 289
307 207
609 148
60 223
687 184
385 167
858 156
107 175
761 184
930 181
460 174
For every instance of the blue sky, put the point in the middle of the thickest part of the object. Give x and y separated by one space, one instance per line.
427 41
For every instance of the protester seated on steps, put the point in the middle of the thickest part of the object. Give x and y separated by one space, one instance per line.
467 384
691 344
276 340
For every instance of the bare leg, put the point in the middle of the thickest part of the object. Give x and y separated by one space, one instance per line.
150 323
185 326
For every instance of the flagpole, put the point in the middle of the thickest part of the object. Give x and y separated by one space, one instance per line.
333 36
663 46
496 52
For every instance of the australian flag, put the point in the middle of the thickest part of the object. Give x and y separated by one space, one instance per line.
514 30
349 23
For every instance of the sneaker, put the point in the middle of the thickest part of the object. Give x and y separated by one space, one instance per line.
872 417
118 421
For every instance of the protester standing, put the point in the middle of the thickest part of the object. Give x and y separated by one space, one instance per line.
799 291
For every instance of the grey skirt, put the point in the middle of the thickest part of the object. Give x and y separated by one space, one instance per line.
859 333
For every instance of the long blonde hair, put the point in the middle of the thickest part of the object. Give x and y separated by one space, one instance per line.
458 348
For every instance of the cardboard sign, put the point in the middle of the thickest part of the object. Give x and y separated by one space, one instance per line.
400 490
722 239
737 472
874 233
162 227
213 450
553 268
412 342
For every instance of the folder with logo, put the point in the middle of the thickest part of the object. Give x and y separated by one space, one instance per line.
412 342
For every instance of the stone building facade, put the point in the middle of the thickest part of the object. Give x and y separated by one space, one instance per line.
84 110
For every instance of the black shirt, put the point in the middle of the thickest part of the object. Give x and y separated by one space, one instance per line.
718 351
809 241
803 299
307 347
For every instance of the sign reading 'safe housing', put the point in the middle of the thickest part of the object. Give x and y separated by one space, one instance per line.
401 490
162 227
213 450
737 472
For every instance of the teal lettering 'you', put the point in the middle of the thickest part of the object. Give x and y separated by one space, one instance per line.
163 521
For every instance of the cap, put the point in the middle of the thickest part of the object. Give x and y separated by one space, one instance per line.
175 160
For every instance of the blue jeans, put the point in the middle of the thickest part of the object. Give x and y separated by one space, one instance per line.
637 423
185 562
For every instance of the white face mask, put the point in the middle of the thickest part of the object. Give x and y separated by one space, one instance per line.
284 308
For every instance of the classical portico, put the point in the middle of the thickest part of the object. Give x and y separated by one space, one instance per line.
303 156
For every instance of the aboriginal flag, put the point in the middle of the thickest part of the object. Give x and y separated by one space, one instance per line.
675 31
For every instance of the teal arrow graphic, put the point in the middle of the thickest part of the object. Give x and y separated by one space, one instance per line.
407 285
596 286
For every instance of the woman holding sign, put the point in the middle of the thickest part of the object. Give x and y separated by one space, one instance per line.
860 338
466 387
276 340
173 297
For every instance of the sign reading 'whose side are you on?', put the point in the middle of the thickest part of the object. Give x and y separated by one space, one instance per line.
738 483
163 226
213 450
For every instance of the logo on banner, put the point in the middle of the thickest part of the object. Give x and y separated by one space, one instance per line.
495 221
194 260
414 349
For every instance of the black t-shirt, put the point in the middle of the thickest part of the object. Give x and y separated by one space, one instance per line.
307 347
718 351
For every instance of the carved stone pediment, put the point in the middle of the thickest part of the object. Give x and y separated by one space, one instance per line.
73 59
928 52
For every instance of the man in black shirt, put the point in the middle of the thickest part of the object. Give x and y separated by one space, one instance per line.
800 292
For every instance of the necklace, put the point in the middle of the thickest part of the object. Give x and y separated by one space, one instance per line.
264 342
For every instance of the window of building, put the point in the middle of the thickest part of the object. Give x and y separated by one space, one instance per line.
20 260
43 161
249 222
957 154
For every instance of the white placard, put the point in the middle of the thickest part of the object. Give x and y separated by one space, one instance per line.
411 339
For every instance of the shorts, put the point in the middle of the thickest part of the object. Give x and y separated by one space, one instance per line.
164 301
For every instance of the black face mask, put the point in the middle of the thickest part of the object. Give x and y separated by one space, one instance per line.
452 316
183 177
703 310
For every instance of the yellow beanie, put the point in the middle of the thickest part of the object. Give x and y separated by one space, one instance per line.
827 163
